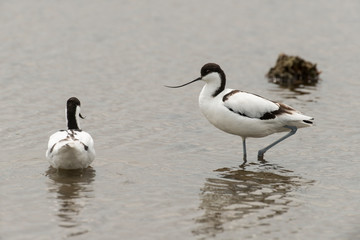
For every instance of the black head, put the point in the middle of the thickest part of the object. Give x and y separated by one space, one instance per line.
214 68
210 68
72 102
206 70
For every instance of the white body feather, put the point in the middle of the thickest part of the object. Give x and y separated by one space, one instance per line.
70 149
239 112
244 114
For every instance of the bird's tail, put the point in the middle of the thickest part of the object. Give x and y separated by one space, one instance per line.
299 120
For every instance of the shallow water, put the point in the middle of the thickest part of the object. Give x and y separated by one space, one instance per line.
162 171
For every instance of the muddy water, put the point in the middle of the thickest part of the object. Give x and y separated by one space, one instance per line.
162 171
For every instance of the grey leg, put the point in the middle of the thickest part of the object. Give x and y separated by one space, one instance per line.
262 151
244 149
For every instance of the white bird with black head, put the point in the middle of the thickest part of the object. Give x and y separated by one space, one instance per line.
71 148
242 113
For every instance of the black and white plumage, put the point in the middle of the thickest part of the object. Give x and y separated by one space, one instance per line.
242 113
72 148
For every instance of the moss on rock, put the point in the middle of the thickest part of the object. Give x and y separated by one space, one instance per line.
292 71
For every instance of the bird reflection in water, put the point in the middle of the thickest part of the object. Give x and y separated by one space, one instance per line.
73 189
245 197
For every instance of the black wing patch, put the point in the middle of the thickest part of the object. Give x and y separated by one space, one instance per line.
226 96
282 109
52 148
268 115
240 113
85 147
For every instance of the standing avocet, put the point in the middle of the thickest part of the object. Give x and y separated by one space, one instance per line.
72 148
244 114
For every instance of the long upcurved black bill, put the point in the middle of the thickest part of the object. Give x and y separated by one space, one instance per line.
184 84
81 116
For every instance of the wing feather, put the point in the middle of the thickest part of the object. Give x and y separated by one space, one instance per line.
249 105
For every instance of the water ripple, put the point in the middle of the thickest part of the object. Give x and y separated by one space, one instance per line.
72 189
246 197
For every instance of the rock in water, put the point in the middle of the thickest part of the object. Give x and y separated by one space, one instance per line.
292 71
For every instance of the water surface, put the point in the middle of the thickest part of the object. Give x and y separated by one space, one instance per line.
162 171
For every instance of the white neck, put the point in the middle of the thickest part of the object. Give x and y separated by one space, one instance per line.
206 97
213 83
